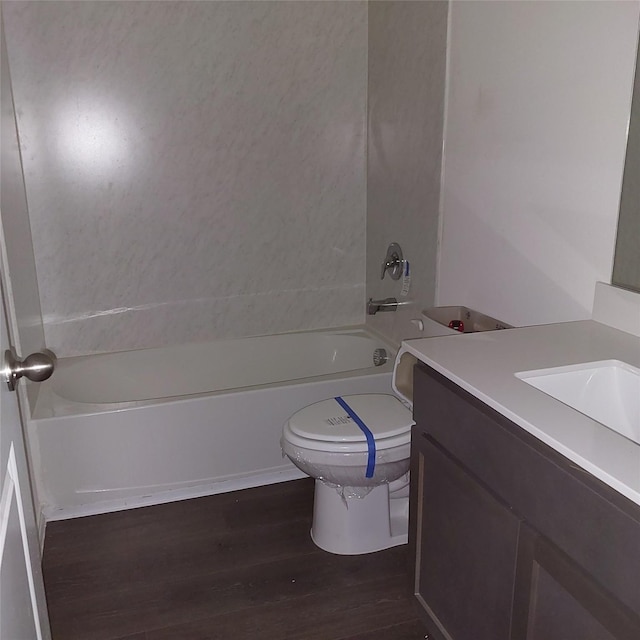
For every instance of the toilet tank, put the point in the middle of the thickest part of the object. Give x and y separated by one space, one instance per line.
439 321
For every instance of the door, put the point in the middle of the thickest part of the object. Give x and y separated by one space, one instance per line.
23 612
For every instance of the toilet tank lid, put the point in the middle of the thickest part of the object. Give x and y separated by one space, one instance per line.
384 415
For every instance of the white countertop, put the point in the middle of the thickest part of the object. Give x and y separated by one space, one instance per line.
484 364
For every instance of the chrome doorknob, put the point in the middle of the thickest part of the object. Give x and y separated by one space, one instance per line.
35 367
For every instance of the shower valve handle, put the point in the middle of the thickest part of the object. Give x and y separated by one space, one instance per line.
393 262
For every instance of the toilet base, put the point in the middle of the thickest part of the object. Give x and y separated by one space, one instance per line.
354 526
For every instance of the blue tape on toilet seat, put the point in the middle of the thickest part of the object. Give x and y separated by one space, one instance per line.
371 442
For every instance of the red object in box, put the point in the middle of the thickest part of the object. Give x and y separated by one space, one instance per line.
458 325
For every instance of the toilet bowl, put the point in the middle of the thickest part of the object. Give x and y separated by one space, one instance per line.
357 448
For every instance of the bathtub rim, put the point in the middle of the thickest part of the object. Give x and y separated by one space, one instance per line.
48 405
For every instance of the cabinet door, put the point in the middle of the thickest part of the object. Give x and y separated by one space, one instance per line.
562 602
466 548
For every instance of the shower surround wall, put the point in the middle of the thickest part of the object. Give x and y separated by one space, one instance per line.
407 71
194 170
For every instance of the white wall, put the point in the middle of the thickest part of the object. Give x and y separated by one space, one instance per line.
194 170
538 103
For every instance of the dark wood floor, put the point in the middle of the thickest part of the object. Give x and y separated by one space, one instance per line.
227 567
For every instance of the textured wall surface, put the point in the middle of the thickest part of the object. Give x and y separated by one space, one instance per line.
407 70
194 170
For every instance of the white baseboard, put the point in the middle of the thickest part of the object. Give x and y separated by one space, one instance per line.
50 514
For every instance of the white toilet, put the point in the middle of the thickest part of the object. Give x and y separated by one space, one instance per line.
357 448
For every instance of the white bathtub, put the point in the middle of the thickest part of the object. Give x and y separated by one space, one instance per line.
121 430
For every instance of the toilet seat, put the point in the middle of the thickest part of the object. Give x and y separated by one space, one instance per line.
325 426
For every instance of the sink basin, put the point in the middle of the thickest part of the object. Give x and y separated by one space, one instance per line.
607 391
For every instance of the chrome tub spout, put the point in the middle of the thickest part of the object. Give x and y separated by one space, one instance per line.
388 304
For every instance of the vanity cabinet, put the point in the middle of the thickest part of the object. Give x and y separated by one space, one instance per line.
468 546
509 539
